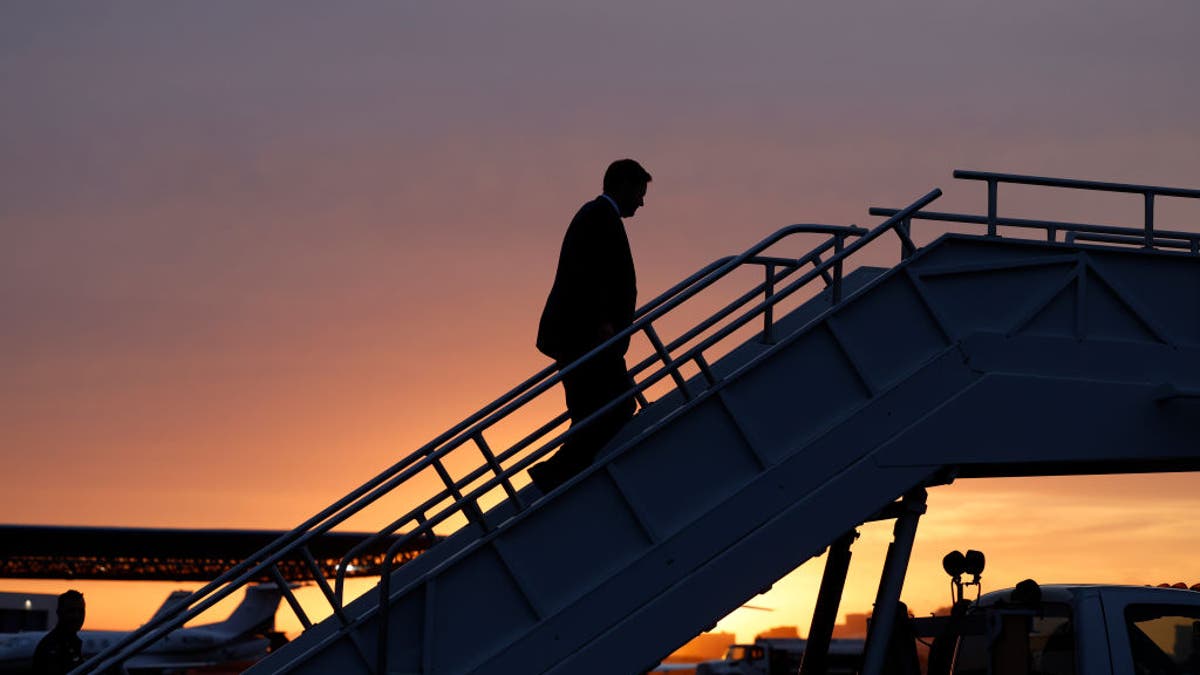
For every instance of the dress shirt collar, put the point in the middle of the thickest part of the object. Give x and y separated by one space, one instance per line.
614 204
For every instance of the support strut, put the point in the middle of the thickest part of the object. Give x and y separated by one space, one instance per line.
883 617
833 582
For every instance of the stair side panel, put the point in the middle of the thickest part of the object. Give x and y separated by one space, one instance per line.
586 535
687 468
889 331
776 401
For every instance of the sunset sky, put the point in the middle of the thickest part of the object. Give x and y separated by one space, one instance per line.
252 253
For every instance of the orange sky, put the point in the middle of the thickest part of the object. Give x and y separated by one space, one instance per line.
251 257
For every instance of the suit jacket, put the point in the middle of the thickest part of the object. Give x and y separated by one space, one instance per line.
595 284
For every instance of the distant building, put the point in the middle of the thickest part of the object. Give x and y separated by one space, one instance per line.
779 632
854 626
26 611
703 647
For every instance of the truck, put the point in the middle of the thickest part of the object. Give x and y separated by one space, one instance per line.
1030 629
1063 629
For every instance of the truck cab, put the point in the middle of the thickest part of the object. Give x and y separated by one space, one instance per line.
1066 629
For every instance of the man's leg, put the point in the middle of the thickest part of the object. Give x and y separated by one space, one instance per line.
588 389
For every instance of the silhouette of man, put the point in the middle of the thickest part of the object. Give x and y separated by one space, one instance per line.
61 649
593 298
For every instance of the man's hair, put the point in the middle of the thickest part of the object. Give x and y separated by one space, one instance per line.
70 596
624 172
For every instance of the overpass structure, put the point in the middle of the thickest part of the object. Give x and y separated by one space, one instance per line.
814 400
178 554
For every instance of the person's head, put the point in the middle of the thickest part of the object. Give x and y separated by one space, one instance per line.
625 181
71 611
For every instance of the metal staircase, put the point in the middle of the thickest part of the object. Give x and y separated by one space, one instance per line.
976 355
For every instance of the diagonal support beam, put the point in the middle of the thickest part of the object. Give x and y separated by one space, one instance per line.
883 617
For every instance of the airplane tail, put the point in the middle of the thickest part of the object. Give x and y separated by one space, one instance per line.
171 602
256 613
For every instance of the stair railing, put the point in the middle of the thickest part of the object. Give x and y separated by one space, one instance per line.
828 269
263 563
1148 236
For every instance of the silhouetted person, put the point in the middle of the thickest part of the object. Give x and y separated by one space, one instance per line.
61 649
593 298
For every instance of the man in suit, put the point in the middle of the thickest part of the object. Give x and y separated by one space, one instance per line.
60 650
593 298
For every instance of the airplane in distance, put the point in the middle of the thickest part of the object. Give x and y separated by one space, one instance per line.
246 636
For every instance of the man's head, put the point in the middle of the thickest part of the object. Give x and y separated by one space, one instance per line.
70 611
625 181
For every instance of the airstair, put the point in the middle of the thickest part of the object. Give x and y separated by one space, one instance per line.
1029 347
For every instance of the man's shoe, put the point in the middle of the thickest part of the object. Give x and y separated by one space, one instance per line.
544 477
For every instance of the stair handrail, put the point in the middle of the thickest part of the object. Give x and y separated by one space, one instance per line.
464 500
721 267
792 264
237 576
1148 234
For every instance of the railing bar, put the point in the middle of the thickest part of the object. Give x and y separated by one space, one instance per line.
286 589
1149 197
491 460
769 315
907 247
1081 298
1036 224
839 243
668 364
1075 183
416 513
322 583
730 308
777 261
1159 242
991 199
705 369
816 262
469 509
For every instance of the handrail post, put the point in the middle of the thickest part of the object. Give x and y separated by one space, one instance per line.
769 315
991 187
666 359
319 577
490 458
839 242
470 510
286 590
904 232
1149 218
